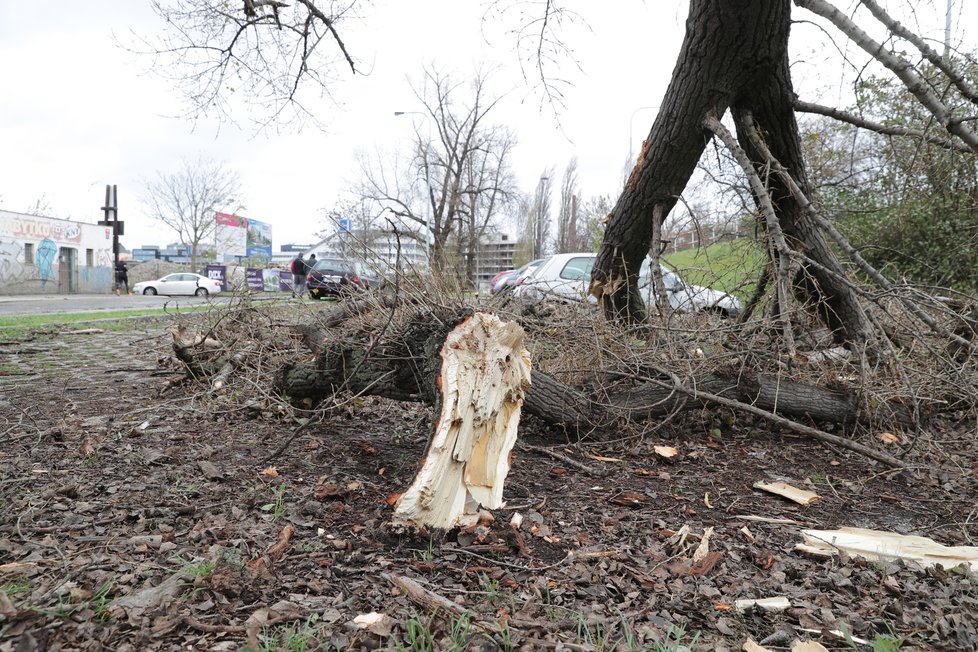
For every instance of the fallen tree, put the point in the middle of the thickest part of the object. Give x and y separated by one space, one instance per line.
471 368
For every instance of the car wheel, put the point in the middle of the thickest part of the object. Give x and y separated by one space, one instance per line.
150 291
201 292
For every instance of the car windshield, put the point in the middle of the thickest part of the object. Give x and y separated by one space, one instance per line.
530 268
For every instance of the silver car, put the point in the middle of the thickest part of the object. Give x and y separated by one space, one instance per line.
567 277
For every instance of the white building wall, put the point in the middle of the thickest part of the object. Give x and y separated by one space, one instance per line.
44 255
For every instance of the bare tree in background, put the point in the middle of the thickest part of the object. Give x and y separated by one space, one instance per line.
567 227
488 189
460 166
187 200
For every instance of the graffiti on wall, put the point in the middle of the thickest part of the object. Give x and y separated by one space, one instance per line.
18 277
46 251
10 267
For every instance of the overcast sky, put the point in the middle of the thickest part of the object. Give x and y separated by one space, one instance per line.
80 112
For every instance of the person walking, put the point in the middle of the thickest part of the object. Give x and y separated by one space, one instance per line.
122 277
299 271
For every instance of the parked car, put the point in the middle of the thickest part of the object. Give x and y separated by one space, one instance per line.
510 278
370 275
333 277
179 283
567 277
494 281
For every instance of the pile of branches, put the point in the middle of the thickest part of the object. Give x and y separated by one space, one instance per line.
593 378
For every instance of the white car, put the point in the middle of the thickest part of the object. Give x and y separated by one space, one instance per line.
567 277
180 283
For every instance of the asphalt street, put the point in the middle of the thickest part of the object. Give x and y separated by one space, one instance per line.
67 303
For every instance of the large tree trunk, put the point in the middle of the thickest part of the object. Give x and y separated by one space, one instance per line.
734 54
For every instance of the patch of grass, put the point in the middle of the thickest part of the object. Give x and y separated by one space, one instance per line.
15 588
733 267
460 631
594 636
428 554
820 477
297 638
199 569
490 587
100 601
673 642
21 326
882 642
418 636
181 486
9 369
554 612
277 507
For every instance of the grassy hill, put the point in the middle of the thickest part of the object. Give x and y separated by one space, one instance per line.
729 266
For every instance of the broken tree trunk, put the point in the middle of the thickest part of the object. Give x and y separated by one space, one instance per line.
484 374
474 370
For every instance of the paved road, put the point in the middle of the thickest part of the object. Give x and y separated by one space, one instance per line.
65 303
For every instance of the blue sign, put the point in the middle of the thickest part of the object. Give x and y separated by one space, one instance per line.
346 224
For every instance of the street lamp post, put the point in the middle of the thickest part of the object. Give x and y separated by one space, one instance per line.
429 224
537 246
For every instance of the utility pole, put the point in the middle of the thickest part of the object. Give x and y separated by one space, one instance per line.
111 218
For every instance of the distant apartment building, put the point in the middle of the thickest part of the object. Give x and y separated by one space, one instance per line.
495 255
46 255
382 249
172 253
379 249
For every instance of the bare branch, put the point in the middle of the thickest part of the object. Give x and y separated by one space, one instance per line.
899 66
942 64
878 127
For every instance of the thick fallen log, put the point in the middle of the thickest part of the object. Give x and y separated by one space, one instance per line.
577 411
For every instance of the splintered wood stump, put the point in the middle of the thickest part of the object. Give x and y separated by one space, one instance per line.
484 375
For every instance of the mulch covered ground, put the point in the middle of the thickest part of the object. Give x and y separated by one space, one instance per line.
135 521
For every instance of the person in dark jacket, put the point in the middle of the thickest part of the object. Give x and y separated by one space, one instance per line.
299 271
122 277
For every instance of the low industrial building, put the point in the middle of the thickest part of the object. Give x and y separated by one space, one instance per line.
45 255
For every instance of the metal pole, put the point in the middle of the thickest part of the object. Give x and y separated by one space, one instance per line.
947 31
429 225
537 247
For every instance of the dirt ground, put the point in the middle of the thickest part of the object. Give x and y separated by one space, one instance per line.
135 521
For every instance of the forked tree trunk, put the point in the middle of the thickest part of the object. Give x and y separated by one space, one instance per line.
734 55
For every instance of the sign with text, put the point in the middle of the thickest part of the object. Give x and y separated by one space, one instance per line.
255 279
218 273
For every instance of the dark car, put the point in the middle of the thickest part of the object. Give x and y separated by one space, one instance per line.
332 277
